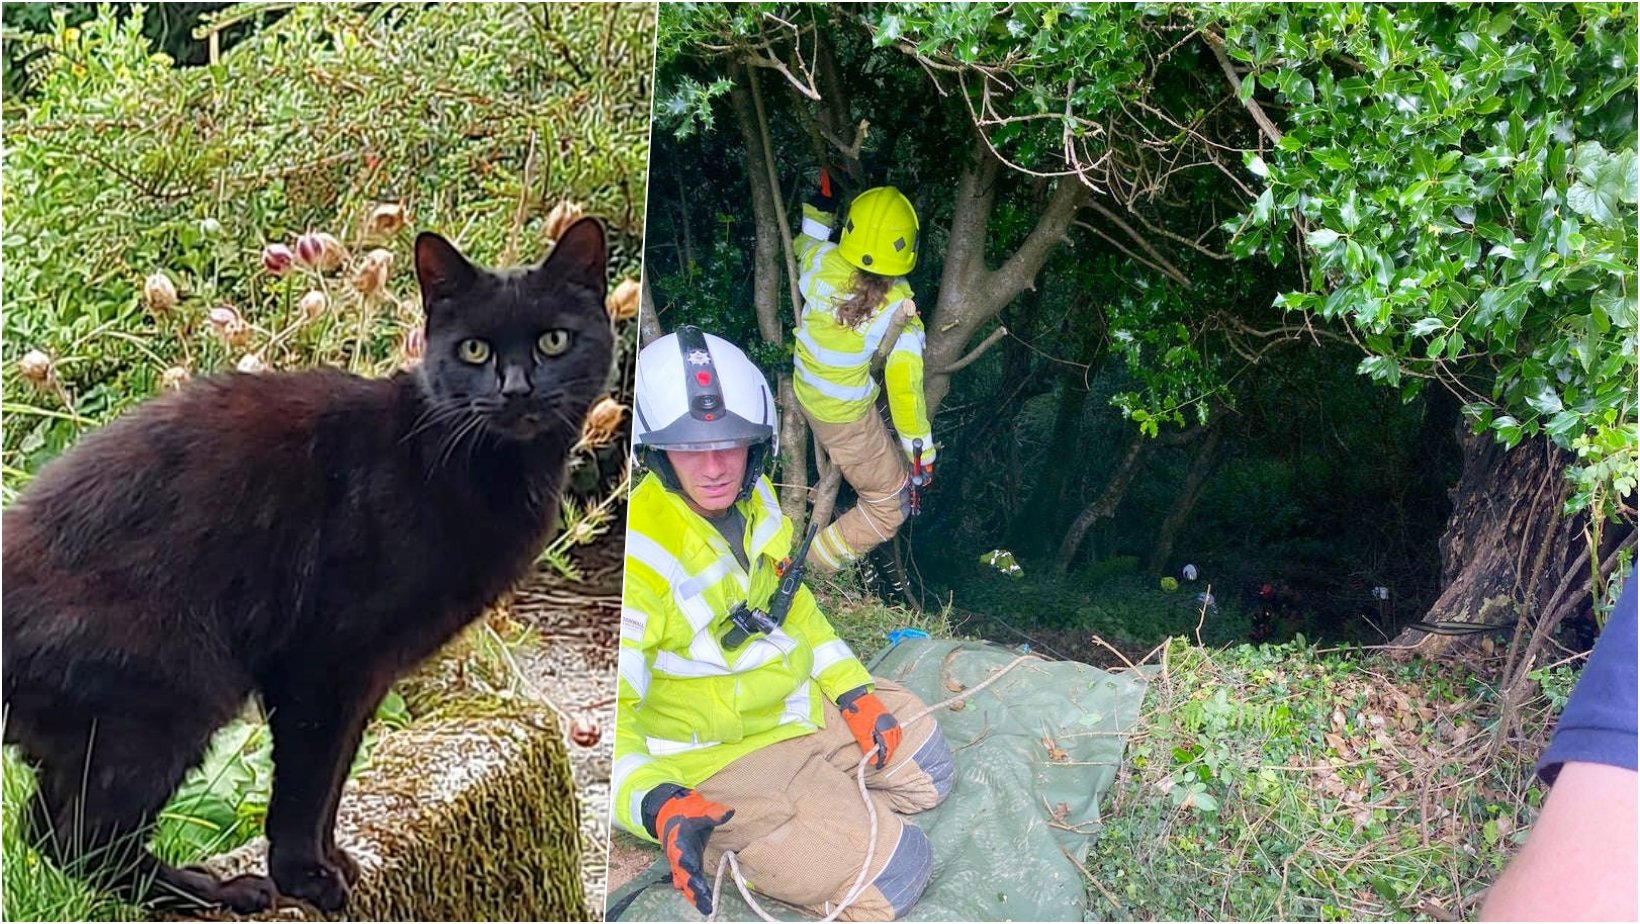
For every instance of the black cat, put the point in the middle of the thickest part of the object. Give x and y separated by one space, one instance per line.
308 536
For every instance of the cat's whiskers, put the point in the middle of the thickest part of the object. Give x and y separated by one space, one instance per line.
434 416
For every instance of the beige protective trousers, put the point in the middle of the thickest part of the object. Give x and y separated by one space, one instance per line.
875 466
800 827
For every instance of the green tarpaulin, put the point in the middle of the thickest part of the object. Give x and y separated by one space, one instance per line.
1035 753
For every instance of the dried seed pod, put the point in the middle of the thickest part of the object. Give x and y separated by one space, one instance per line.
220 317
174 378
320 251
385 219
602 422
313 304
412 346
252 363
622 304
563 215
584 732
228 326
159 293
277 258
371 275
36 366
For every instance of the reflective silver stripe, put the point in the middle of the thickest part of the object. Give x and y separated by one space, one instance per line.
840 392
842 359
815 229
694 586
879 328
833 652
686 592
635 672
820 548
811 267
765 532
634 807
624 768
799 706
705 649
665 747
928 446
910 341
678 666
651 554
633 623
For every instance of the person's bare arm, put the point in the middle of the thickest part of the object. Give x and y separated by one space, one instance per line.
1579 863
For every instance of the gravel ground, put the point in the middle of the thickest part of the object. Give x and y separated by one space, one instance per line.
573 669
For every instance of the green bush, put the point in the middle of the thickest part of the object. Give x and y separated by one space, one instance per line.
477 120
1280 782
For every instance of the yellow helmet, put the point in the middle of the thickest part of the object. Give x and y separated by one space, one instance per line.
880 235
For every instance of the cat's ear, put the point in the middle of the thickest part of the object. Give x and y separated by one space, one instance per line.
440 267
580 256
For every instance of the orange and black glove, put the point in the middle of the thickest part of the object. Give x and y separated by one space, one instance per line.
682 819
823 199
871 722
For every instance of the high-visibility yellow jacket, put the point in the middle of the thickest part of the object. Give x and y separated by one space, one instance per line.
685 706
833 362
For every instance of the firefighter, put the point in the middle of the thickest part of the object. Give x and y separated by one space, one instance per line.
750 742
853 291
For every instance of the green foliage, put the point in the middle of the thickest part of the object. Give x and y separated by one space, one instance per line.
477 120
1465 179
865 622
1285 783
1003 561
1129 610
35 889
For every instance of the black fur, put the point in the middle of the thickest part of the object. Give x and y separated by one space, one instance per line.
308 536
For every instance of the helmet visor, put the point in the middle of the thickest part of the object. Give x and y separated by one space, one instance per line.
724 431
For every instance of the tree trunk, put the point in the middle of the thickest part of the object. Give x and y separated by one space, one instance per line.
1508 553
766 269
971 294
765 256
682 190
1207 459
1107 502
1035 519
649 321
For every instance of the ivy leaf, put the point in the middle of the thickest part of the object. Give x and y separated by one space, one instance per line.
1545 401
1321 238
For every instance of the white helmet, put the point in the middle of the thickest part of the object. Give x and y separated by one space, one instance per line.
697 391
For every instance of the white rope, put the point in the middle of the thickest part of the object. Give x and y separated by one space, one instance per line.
728 861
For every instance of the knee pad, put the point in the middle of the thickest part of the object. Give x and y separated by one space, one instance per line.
909 868
935 759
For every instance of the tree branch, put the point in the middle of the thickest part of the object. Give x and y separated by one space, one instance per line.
975 353
1172 271
1019 272
1216 42
779 201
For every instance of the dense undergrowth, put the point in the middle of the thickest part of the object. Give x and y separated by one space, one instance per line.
1287 782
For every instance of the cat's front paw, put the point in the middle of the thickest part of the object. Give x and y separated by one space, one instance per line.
344 861
320 883
246 894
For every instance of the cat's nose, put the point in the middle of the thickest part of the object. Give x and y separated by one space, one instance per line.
514 383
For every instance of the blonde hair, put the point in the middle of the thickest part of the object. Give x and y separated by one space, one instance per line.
870 290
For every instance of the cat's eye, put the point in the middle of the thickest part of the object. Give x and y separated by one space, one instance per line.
474 351
554 342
